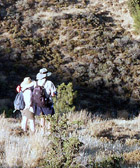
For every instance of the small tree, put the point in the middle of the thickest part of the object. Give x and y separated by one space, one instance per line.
63 149
63 103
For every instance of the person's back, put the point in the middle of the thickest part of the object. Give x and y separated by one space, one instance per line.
27 94
39 96
48 85
49 92
27 112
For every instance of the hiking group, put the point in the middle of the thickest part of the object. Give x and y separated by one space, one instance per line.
34 98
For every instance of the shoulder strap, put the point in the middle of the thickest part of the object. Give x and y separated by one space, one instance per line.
22 91
36 83
25 89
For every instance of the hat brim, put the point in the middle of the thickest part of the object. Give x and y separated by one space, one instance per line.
40 76
26 85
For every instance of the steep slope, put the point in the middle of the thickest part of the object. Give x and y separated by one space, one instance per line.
90 43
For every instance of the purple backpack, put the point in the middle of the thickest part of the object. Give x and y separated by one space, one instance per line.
38 97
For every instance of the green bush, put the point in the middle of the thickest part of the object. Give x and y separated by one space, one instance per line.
137 19
134 8
63 103
63 149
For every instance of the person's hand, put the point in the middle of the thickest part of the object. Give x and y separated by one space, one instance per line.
54 94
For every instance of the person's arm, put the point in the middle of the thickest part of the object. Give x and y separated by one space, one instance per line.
50 88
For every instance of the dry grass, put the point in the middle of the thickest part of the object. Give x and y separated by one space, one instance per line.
132 157
101 138
18 148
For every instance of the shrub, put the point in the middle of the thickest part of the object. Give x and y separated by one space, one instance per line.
63 149
137 19
6 111
63 103
134 8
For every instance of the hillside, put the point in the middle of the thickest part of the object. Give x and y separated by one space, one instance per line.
89 43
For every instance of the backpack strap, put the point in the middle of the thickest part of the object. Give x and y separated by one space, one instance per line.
26 89
36 83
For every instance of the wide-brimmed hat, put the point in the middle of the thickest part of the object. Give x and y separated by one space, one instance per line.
27 82
43 73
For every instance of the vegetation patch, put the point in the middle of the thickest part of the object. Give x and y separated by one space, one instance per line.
134 8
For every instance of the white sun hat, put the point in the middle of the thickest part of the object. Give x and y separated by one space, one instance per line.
27 83
43 73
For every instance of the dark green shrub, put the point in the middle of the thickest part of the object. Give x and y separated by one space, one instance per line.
6 112
63 103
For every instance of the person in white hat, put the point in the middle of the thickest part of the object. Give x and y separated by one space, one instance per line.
27 112
50 90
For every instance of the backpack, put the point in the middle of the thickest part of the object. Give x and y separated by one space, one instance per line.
19 103
38 97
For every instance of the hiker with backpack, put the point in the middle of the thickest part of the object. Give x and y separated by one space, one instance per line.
27 113
43 92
